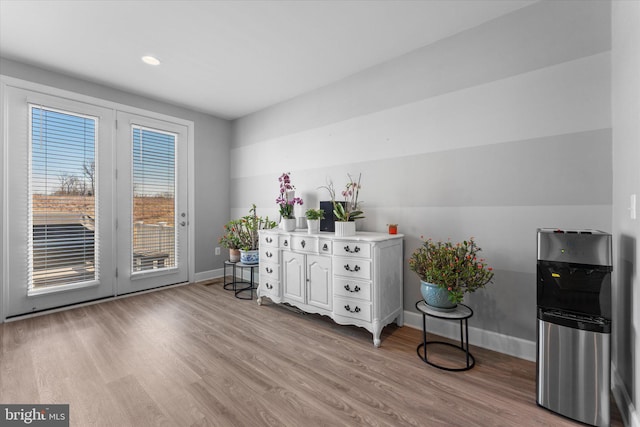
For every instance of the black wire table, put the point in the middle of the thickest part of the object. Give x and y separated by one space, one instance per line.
462 313
240 286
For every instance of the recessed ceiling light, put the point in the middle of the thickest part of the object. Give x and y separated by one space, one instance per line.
150 60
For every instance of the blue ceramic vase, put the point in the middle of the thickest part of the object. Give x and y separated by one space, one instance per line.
436 297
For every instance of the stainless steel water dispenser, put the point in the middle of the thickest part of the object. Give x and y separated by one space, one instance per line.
574 324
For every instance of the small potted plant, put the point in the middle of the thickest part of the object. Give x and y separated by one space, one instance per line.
449 270
286 201
348 211
241 237
249 238
313 220
231 239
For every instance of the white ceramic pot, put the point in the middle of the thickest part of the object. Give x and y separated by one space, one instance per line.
288 224
313 226
345 229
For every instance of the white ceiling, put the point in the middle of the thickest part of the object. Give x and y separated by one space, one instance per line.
228 58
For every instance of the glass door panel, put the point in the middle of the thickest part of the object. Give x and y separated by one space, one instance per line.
153 187
62 209
152 231
60 192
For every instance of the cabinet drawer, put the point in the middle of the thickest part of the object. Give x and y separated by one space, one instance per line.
352 249
269 285
324 246
285 242
270 271
352 288
269 254
352 308
352 267
304 244
268 239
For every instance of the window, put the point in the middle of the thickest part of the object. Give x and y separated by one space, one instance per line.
154 237
62 199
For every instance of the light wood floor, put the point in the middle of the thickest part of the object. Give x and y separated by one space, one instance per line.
196 356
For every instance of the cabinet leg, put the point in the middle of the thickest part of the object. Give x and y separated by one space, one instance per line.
259 300
377 330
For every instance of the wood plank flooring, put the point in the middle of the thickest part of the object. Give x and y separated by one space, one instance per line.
196 356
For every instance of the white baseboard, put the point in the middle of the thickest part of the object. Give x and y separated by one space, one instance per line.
208 275
242 273
506 344
630 416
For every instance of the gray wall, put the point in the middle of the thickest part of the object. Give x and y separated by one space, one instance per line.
491 133
212 141
626 181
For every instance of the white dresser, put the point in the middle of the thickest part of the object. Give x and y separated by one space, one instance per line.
354 280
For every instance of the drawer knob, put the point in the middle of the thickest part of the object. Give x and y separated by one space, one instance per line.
269 254
348 288
269 270
356 268
268 286
354 251
286 243
268 240
325 247
355 310
303 243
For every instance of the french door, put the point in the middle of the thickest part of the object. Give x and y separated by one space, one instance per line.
93 211
152 203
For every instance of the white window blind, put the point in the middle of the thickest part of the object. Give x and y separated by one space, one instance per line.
154 175
62 202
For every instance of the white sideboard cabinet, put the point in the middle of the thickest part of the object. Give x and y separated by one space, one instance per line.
354 280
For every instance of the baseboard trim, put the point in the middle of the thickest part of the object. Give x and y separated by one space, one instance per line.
506 344
628 412
208 275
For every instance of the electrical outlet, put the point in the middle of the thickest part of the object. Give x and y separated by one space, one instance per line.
218 251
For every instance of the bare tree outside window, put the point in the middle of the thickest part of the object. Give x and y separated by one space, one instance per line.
89 170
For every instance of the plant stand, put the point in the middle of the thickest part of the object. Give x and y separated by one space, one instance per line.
462 313
239 286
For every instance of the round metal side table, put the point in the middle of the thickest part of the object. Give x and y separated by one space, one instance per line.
462 313
240 286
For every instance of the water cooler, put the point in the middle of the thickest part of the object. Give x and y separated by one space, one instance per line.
574 324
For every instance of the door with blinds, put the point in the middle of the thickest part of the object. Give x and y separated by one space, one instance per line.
60 194
93 211
152 203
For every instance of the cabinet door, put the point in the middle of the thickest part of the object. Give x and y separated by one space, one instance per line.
319 279
293 278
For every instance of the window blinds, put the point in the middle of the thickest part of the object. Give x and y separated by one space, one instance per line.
62 198
153 228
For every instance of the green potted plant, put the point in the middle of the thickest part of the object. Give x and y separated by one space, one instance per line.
449 270
313 220
347 211
231 239
249 238
241 235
